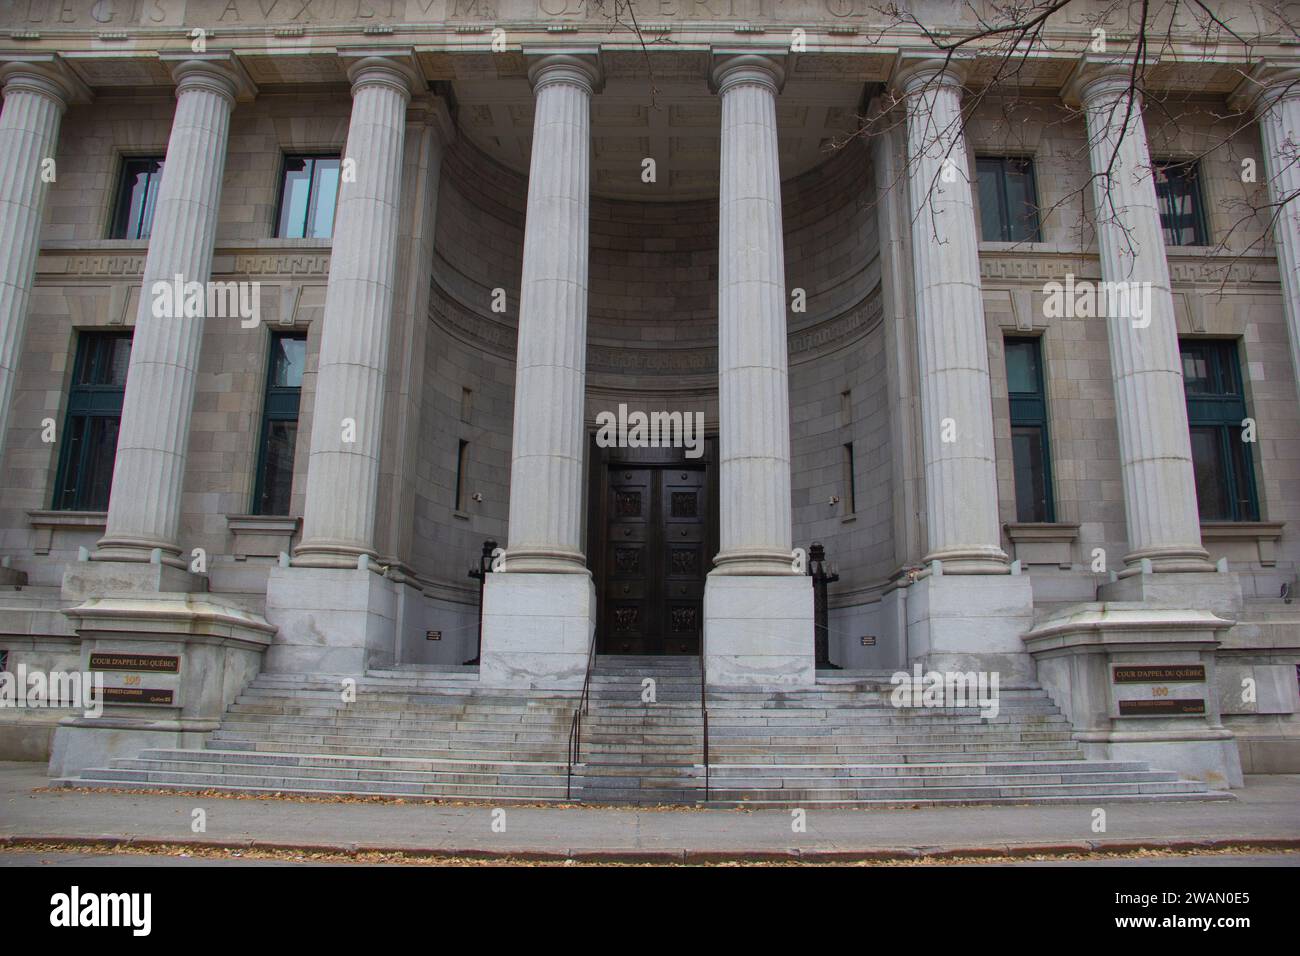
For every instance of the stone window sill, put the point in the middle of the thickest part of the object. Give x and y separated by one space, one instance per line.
1246 541
48 522
262 536
1043 542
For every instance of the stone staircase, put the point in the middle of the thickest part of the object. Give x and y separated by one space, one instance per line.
433 733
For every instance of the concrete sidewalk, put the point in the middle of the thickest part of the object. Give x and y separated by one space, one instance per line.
1266 813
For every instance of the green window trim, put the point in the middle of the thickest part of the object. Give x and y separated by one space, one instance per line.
1178 184
138 183
1216 408
84 476
1029 433
280 410
310 216
1000 220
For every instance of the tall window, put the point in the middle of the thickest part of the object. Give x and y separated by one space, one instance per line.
462 464
1216 406
137 194
89 445
1031 453
307 197
850 497
1008 199
279 423
1182 211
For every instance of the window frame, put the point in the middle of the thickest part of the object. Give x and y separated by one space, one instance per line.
1004 207
1200 212
1223 409
276 407
121 208
89 402
285 159
1029 410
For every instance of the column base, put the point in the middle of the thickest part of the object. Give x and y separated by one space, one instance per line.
1168 560
537 630
100 578
758 631
1164 709
1210 590
971 622
330 620
970 560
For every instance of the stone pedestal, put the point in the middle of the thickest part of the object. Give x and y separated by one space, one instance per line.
1139 684
86 579
1212 591
758 631
958 623
331 620
537 630
203 654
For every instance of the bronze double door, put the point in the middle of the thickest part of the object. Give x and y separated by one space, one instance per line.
655 526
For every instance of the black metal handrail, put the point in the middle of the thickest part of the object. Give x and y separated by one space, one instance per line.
704 714
575 726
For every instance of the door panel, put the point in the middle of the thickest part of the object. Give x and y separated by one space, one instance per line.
627 604
682 560
654 559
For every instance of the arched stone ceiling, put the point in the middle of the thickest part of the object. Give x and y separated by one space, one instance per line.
673 119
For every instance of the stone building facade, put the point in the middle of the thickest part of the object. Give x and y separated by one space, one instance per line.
539 219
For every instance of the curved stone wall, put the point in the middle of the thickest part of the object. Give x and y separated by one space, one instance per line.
652 330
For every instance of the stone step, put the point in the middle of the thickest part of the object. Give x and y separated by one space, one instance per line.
496 778
291 784
926 801
975 793
557 754
247 758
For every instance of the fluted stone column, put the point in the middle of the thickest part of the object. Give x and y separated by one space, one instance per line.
1150 407
956 402
334 613
540 616
34 101
753 377
757 606
1278 111
347 420
144 507
968 613
546 473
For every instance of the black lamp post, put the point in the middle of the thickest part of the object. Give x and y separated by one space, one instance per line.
821 613
480 574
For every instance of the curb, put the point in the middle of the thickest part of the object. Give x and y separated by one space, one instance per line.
674 856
